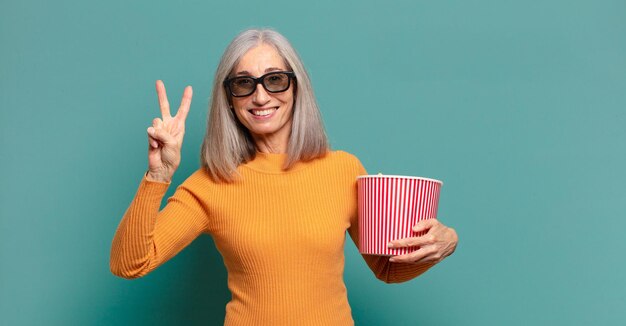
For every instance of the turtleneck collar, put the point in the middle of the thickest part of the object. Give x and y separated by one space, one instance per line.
272 163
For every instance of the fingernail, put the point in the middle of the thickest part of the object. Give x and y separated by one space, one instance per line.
151 131
389 245
415 228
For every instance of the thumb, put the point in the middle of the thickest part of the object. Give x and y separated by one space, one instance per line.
424 225
161 135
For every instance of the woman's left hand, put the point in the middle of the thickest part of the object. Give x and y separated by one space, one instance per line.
438 243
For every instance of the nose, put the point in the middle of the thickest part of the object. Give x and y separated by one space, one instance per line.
260 96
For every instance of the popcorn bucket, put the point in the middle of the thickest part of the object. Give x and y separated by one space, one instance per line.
389 207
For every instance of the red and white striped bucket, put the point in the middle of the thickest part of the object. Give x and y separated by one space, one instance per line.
389 207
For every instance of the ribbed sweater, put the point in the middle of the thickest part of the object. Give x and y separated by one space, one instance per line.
281 235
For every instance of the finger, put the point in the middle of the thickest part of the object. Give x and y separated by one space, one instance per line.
185 103
161 136
413 257
151 140
160 124
163 103
412 242
156 122
425 225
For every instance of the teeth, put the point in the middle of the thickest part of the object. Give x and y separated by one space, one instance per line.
262 112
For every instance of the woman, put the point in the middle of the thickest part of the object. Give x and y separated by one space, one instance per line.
272 195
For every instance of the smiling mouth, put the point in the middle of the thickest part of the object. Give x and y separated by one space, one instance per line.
263 112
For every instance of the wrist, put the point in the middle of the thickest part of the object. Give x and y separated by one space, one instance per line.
157 177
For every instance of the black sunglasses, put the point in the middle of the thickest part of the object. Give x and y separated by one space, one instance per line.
273 82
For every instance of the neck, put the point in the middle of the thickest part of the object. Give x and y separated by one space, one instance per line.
274 144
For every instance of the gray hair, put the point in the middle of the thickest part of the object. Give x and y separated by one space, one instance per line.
228 143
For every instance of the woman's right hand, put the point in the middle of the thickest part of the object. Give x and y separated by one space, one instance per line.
165 137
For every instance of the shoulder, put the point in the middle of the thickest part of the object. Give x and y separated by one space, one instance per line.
341 155
347 160
200 179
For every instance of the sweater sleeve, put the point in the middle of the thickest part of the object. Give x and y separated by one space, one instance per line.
384 270
146 237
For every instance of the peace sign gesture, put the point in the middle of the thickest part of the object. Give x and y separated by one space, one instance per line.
165 137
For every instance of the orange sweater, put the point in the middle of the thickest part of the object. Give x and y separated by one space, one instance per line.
281 235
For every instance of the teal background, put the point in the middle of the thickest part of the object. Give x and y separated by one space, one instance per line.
518 106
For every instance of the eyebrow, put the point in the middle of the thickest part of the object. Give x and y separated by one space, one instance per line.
246 73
